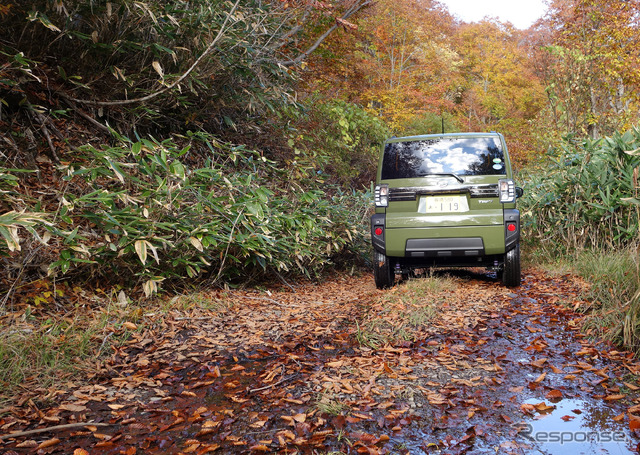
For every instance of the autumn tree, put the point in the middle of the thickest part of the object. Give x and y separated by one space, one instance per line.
500 90
397 62
411 64
587 56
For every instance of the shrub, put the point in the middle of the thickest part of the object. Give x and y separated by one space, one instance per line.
343 139
586 203
123 50
581 198
151 210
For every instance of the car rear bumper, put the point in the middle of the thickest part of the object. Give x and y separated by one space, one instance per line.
440 242
434 242
446 247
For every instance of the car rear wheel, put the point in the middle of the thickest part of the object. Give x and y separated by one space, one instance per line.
382 270
511 270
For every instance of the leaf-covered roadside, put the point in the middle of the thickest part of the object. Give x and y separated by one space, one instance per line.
281 370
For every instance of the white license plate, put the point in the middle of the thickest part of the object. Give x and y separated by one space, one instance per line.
443 204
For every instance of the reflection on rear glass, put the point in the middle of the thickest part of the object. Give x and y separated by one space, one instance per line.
449 155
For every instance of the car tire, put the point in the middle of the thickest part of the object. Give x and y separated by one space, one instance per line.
511 271
382 271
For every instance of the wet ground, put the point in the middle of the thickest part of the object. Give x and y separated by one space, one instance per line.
494 370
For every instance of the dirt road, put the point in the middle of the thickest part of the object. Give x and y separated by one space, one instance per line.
440 364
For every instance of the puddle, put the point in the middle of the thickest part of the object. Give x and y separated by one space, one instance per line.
577 427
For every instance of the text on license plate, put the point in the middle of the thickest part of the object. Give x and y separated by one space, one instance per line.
443 204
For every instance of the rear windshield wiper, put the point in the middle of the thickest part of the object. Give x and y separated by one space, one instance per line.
456 176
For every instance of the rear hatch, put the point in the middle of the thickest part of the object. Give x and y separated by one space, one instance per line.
440 183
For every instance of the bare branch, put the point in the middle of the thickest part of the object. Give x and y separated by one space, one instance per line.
54 428
348 13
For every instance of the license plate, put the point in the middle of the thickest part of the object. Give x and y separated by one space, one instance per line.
444 204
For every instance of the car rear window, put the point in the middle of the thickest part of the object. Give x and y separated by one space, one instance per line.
446 155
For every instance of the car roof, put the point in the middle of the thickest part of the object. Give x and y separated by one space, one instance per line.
445 135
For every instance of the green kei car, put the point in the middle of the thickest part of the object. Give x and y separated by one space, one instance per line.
445 200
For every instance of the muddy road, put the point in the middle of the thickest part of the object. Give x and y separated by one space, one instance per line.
442 364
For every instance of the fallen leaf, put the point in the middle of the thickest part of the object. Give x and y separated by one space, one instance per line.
556 370
191 448
208 449
539 363
634 422
116 407
385 405
543 407
554 395
527 408
49 443
540 378
631 386
102 437
73 407
288 434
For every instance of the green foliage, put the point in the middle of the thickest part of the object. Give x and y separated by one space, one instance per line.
581 198
331 405
140 210
11 222
126 49
343 139
52 351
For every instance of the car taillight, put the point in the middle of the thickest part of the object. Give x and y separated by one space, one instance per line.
378 231
507 190
382 195
511 227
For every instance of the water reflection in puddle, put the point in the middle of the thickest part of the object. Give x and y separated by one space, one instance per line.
578 427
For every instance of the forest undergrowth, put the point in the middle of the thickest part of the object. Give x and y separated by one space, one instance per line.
581 214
